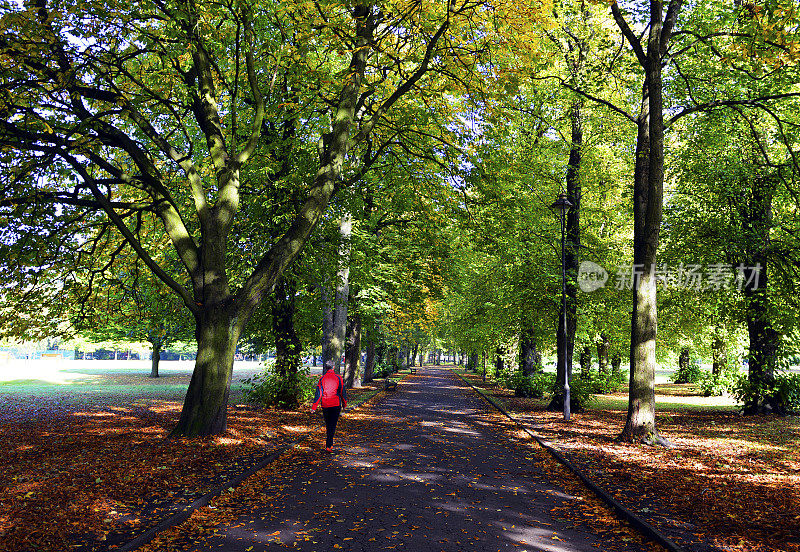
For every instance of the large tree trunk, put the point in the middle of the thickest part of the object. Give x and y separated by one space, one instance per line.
763 357
155 358
220 317
287 345
352 368
205 408
640 423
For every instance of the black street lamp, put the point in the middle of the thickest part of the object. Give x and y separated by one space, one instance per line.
562 204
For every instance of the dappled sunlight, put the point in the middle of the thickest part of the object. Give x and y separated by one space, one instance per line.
736 476
294 429
227 441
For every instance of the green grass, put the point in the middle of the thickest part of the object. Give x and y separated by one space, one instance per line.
609 402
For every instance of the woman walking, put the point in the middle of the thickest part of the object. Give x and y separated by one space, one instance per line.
332 396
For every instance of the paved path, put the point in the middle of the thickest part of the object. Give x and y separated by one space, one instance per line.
423 469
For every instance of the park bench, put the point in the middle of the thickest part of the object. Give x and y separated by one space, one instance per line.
389 385
413 370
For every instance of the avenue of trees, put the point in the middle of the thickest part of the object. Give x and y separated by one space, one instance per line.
377 176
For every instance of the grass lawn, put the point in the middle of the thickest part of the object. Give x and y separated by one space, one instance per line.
730 483
84 462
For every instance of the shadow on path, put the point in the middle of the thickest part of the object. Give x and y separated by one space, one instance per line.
422 469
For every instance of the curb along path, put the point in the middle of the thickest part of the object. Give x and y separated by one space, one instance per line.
181 513
637 522
422 469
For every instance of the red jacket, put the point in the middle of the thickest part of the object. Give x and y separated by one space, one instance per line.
330 391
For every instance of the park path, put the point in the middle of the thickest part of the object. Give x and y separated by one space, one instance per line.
422 469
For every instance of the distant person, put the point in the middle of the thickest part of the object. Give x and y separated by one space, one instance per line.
332 396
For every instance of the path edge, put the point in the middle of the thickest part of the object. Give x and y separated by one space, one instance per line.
185 513
635 521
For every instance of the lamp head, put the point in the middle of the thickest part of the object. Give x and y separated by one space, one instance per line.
562 204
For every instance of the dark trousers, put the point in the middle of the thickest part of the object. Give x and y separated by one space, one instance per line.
331 415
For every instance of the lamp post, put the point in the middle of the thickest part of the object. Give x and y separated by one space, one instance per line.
562 205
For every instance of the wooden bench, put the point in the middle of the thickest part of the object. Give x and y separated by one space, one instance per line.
413 370
389 385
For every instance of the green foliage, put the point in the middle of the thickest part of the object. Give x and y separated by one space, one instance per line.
605 383
785 388
534 386
717 385
271 389
691 374
384 368
581 393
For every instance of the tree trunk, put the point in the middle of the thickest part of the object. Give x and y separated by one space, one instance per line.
764 338
472 363
683 362
352 369
640 423
762 360
498 362
616 362
719 355
414 355
336 345
527 352
586 362
205 409
155 358
287 345
602 355
369 365
764 342
326 353
219 316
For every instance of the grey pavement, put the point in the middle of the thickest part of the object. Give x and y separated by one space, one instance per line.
425 468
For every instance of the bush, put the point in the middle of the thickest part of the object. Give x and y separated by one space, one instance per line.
383 369
691 374
270 389
788 387
605 383
717 385
785 389
534 386
580 394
